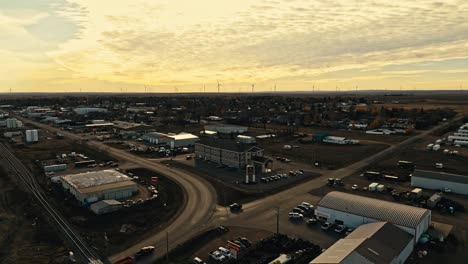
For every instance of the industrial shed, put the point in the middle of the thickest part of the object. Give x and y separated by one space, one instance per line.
440 180
378 242
105 206
354 211
93 186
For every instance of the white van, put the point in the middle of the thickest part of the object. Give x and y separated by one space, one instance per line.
197 260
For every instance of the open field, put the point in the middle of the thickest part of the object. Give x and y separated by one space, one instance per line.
327 155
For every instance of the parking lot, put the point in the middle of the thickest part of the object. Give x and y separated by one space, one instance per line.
267 182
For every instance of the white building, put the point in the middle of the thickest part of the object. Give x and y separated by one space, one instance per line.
378 242
435 180
93 186
355 210
13 123
32 136
87 110
339 140
227 129
171 140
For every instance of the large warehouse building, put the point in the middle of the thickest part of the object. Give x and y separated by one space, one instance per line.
378 242
355 210
93 186
440 180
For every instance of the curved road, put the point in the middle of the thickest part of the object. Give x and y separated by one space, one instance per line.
199 205
198 212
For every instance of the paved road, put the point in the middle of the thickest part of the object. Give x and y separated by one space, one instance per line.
200 198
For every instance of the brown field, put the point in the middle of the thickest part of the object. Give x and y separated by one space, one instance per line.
328 155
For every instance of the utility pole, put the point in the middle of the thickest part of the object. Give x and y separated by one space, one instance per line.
277 220
167 246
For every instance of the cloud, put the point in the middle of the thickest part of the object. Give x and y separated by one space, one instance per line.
186 41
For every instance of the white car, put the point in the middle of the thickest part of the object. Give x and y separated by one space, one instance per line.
225 252
355 187
216 255
308 205
293 215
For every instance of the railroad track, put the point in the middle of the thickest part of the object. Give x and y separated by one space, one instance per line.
15 165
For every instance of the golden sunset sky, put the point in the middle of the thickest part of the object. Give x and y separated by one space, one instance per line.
117 45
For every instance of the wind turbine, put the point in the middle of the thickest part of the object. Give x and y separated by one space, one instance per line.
219 87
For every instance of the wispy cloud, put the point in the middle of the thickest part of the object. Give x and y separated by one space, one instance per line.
194 42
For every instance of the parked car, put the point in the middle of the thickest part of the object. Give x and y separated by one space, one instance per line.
303 208
310 206
225 252
235 207
355 187
197 260
340 229
245 241
216 255
311 221
326 226
295 216
298 210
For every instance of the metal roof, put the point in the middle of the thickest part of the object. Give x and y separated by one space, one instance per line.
378 242
108 186
441 176
95 178
394 213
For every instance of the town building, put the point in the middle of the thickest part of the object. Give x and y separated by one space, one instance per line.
32 136
93 186
13 123
232 153
171 140
355 210
436 180
87 110
227 129
373 243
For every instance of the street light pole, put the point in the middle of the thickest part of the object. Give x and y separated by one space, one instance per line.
277 220
167 246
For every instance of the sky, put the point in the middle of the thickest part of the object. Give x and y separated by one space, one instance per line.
191 45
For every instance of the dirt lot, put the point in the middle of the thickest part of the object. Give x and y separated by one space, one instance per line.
327 155
424 159
25 236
